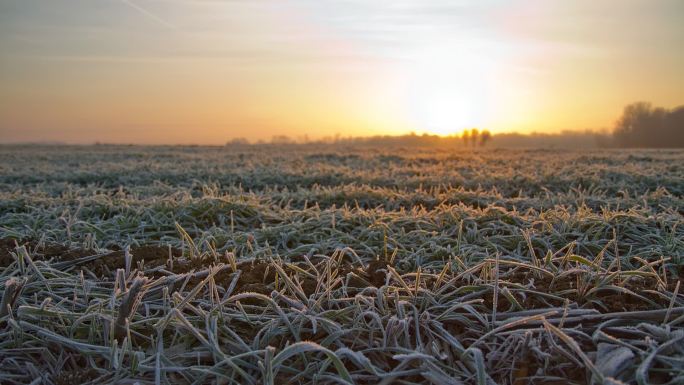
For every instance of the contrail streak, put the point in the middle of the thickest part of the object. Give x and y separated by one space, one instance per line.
149 14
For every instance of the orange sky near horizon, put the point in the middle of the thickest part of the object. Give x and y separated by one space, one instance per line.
207 71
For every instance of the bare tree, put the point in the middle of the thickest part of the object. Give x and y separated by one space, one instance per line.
641 125
474 135
466 138
485 137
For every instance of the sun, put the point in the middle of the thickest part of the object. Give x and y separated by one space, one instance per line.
445 113
448 91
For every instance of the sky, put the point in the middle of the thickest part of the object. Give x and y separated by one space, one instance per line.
207 71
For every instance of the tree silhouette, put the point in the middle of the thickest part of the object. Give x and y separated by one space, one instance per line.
466 138
474 135
641 125
485 137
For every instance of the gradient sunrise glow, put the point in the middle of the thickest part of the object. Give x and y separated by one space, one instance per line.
206 71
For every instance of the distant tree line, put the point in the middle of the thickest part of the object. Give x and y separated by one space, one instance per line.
641 125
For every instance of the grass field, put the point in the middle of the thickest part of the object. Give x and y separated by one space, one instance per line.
303 264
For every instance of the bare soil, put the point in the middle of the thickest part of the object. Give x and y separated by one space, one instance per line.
105 266
260 277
